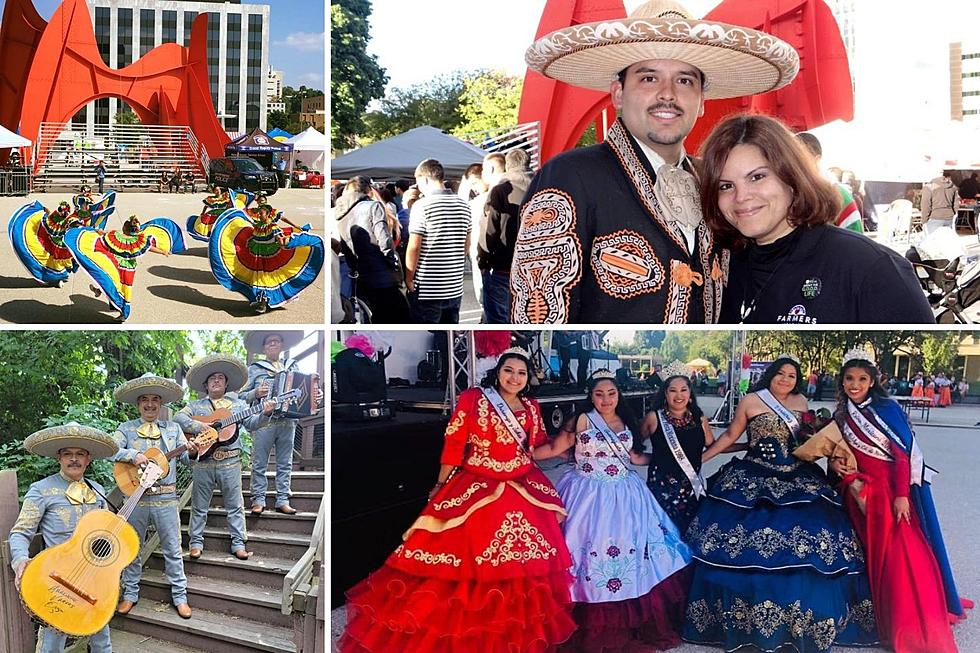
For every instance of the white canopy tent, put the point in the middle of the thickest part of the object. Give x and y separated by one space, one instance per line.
10 139
309 147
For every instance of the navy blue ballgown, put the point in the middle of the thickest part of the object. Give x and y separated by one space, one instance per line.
777 562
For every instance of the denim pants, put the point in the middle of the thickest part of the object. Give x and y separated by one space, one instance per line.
435 311
163 513
54 642
496 298
226 475
279 436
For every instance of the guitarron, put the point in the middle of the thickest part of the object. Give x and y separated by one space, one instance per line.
74 586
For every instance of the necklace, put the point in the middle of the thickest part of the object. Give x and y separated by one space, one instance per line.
683 420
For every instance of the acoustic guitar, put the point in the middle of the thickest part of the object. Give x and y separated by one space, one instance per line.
223 420
74 586
127 475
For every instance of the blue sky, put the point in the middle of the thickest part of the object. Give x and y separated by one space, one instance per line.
296 38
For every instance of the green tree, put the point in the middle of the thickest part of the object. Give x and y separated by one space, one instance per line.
278 119
127 118
939 351
649 340
489 100
355 76
435 102
673 348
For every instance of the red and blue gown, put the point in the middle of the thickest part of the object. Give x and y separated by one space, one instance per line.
912 585
485 567
777 563
199 226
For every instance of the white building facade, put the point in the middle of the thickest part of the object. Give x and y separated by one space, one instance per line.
238 52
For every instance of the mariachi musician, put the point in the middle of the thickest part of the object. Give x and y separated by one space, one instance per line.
273 431
149 393
55 504
219 376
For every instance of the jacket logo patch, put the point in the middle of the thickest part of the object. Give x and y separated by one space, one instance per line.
625 264
547 260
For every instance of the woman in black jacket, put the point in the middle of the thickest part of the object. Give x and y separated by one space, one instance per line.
764 198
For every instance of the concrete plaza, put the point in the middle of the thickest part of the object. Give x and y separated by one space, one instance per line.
179 289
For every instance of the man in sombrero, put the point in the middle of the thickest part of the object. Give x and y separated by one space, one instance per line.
149 393
273 432
614 232
218 377
54 505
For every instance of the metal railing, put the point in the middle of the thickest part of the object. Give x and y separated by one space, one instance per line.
526 136
126 150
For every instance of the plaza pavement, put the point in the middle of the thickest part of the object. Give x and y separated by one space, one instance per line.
951 444
179 289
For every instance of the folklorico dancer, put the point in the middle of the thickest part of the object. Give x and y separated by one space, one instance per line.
270 432
219 377
150 393
912 583
485 566
55 504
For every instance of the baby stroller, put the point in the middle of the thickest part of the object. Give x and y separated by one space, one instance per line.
949 284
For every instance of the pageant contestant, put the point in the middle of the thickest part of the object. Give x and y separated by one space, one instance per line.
628 556
485 566
777 563
911 580
679 433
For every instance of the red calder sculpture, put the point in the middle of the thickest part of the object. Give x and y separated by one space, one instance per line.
820 93
48 71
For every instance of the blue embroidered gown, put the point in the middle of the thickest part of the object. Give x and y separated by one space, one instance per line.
777 562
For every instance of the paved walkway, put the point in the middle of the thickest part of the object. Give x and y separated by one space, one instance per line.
174 290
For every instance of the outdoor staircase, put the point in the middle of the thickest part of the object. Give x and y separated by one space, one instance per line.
134 156
237 603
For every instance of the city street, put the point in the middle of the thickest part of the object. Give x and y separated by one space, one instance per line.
949 442
179 289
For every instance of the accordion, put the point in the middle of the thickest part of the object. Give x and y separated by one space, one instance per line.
286 381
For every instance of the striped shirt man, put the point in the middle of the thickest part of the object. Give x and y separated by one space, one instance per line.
442 220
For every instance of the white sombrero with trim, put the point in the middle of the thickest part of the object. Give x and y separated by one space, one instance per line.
48 442
148 384
233 369
735 60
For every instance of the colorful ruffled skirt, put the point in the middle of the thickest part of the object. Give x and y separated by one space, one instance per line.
484 568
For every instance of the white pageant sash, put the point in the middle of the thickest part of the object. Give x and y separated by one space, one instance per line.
697 482
506 416
877 449
781 411
918 469
611 438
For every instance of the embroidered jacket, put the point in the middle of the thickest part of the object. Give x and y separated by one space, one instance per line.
131 443
596 246
205 406
46 508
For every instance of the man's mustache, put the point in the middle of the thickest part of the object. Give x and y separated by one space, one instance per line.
665 105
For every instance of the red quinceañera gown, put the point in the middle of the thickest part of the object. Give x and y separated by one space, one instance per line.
485 566
907 583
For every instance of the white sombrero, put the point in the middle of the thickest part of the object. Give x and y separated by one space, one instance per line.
49 441
735 60
233 369
148 384
255 339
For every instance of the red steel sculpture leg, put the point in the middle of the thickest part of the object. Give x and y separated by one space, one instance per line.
20 33
820 93
167 86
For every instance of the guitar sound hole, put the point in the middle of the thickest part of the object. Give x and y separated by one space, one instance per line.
101 548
